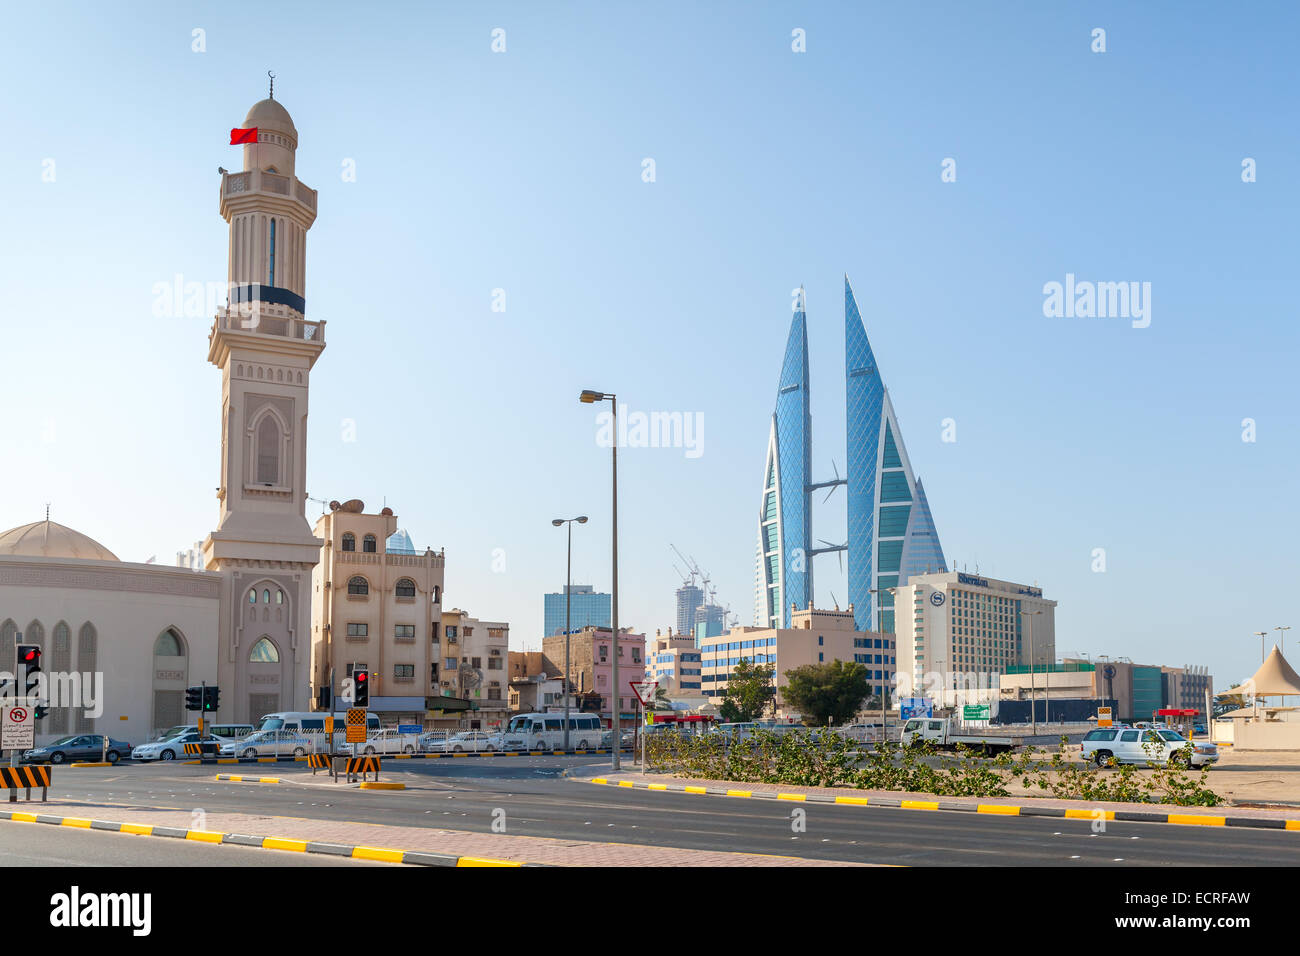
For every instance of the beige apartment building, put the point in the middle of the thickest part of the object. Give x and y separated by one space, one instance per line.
376 605
473 667
816 637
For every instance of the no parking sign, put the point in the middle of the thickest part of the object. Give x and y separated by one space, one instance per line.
17 728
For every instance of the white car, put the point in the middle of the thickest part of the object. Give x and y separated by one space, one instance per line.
388 742
173 748
433 741
268 743
1108 745
472 741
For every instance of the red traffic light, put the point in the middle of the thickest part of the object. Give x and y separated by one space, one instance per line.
30 655
361 677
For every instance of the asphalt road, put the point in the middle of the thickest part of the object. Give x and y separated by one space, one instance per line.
462 795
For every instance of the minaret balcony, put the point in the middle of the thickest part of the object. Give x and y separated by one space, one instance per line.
238 188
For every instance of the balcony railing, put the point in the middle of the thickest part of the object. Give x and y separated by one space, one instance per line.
264 322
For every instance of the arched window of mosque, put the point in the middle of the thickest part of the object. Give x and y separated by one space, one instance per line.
437 594
358 585
272 281
268 451
368 544
266 595
406 588
264 652
252 596
349 542
168 644
279 597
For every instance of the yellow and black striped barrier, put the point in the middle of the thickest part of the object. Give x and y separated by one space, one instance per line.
193 749
363 765
27 778
319 761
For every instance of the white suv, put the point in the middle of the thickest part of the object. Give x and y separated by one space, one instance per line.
1109 745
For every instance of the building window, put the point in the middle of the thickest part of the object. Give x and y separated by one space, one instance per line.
279 597
358 630
476 662
494 663
264 652
449 664
252 596
358 585
268 451
403 672
266 595
494 693
349 542
404 632
271 282
406 588
368 544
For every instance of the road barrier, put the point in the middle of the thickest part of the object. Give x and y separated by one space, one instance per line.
362 766
27 778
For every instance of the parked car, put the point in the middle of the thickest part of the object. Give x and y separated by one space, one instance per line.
228 731
389 741
268 743
625 739
78 747
1106 746
173 747
428 740
472 741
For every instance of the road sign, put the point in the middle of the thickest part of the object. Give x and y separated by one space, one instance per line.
644 690
1103 717
17 728
329 724
976 712
356 725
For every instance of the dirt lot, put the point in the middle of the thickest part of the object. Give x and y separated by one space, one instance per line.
1263 777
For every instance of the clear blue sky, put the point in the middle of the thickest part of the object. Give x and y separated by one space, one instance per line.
522 171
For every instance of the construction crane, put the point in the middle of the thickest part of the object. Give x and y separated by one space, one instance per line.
687 581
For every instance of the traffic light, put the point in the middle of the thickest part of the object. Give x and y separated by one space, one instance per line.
193 698
29 662
211 699
360 688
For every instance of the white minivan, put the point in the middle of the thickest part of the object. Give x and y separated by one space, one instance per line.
546 732
311 724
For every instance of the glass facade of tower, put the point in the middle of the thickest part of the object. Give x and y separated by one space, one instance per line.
785 514
589 608
891 531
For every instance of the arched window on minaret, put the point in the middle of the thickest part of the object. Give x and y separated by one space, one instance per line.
271 281
268 451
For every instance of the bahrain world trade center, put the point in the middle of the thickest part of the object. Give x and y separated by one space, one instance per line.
891 533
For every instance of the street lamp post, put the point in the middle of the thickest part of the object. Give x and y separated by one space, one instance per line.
568 601
588 397
1033 684
880 624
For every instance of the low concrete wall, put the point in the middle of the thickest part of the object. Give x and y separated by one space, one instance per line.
1266 735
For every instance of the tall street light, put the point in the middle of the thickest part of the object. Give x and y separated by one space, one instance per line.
568 600
1261 635
588 397
1033 685
880 617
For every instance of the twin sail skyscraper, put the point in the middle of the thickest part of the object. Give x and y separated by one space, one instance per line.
891 533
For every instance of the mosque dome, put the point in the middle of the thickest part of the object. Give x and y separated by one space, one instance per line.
46 539
268 114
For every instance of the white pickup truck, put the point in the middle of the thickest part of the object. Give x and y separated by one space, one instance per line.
939 732
389 742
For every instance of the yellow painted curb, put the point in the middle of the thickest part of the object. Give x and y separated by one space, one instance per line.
1196 819
87 763
139 829
791 796
484 861
656 786
1089 815
279 843
626 783
998 808
376 853
376 785
1293 824
203 836
919 805
859 801
740 793
695 790
75 822
24 817
599 780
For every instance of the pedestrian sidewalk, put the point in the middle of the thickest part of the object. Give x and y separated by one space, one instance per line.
380 841
1008 806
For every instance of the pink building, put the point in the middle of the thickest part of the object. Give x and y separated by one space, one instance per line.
591 666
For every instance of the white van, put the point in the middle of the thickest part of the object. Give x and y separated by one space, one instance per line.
546 732
311 724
